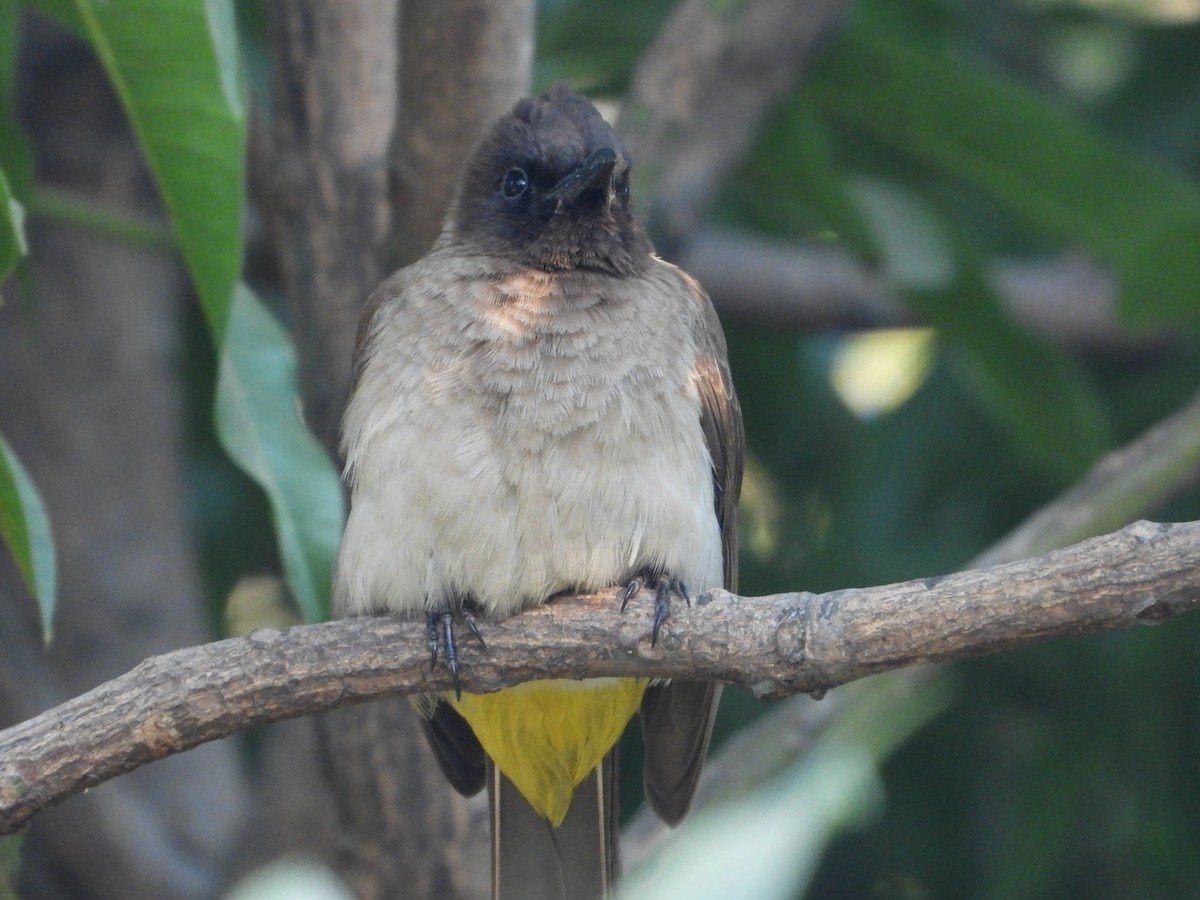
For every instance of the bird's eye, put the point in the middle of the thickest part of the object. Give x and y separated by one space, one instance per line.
623 187
516 182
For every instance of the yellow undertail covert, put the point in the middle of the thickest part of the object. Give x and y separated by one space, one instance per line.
547 736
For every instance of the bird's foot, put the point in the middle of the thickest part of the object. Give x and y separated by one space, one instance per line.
664 588
439 631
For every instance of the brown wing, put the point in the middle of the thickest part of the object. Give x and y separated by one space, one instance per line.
677 717
721 419
388 290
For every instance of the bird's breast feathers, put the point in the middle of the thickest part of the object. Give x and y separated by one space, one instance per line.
512 438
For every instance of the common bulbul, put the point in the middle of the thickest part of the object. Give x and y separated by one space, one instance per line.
541 405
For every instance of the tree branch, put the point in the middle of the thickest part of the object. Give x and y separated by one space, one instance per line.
320 178
776 645
810 286
700 93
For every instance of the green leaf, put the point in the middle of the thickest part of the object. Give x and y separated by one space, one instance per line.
16 160
1035 391
174 64
821 181
12 229
1066 179
25 527
10 864
259 425
905 236
16 156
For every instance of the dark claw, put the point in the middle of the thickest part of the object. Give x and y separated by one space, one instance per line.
631 590
439 631
662 606
469 618
664 587
451 649
678 587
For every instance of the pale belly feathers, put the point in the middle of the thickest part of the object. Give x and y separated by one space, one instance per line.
527 453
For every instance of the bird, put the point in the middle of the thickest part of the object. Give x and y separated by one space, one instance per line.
541 405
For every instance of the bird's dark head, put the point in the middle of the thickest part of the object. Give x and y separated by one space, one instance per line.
549 187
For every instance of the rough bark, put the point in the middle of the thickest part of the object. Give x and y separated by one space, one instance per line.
775 646
321 180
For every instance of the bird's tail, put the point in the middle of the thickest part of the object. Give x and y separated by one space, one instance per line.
532 860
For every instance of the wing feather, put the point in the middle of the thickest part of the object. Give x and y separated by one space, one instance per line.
677 717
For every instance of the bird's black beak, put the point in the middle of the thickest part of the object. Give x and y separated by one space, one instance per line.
590 173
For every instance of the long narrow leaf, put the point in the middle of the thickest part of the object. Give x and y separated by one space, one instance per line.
16 161
12 229
174 65
269 441
26 530
16 156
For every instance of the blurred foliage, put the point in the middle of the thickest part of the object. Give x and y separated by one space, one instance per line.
1032 129
776 830
25 528
10 855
